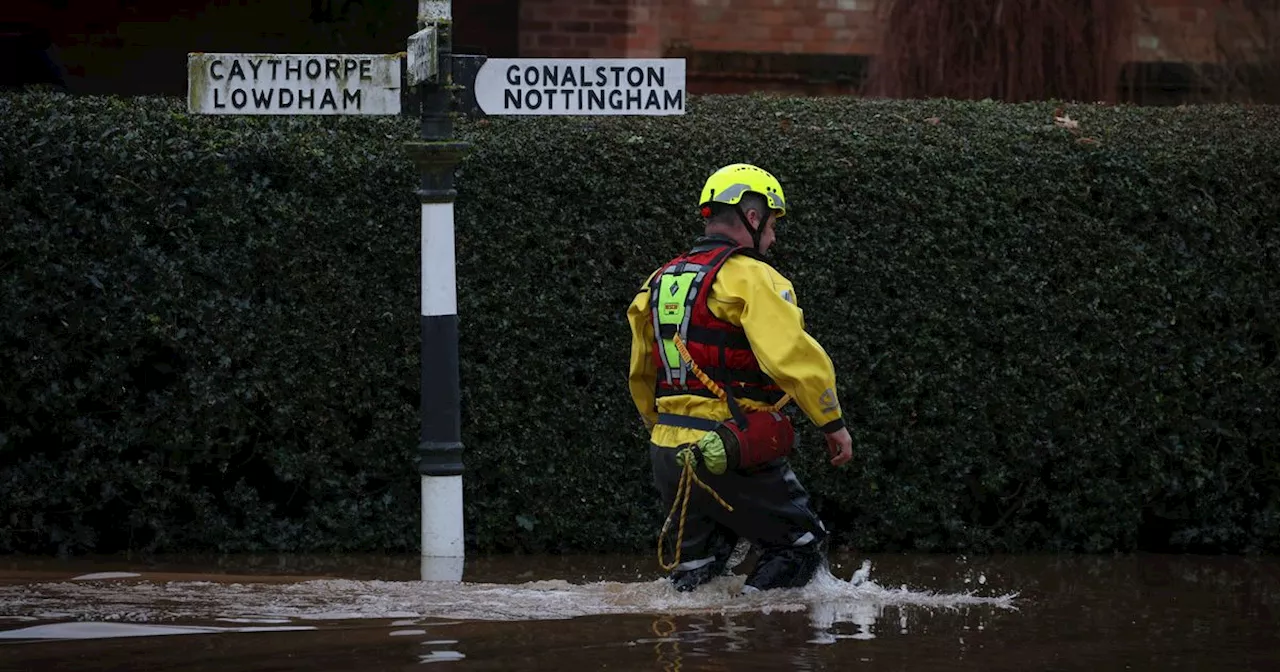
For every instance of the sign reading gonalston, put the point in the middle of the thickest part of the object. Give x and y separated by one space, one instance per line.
570 86
293 83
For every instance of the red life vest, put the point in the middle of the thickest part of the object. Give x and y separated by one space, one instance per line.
678 304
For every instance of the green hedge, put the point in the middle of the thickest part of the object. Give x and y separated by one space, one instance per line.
1047 338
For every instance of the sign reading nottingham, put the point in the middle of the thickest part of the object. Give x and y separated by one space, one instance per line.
586 86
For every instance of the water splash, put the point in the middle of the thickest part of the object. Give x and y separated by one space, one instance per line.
828 599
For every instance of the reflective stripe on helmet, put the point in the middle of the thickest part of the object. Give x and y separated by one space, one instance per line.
728 184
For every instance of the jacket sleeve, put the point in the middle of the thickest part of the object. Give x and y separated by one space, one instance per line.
786 352
643 373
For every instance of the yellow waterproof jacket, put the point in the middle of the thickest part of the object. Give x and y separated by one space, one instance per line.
749 293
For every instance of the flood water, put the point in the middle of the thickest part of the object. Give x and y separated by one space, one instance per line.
915 612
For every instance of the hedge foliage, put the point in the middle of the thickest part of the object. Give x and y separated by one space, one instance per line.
1047 337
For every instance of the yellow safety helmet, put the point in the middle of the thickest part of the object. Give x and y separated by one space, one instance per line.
728 184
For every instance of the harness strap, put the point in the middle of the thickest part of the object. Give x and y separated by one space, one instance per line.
708 336
687 421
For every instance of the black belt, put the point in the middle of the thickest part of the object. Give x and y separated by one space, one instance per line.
687 421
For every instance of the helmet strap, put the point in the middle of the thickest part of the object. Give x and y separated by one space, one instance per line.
755 233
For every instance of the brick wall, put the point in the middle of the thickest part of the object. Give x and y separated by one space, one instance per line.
577 28
787 26
1167 30
648 28
730 45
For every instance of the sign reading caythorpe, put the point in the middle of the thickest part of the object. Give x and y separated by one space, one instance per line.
293 83
574 86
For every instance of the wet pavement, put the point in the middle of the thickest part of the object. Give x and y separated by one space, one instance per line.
553 613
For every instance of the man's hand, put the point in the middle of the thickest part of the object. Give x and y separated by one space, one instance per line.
840 446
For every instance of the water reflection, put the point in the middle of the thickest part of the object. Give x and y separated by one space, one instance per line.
824 617
440 651
698 638
730 641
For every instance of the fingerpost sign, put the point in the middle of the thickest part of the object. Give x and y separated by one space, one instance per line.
371 84
289 84
586 86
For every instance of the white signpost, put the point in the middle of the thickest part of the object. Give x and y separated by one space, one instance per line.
581 86
503 86
278 84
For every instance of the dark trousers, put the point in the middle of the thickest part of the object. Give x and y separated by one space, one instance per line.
770 509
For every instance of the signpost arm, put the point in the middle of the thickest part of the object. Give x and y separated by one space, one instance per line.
440 446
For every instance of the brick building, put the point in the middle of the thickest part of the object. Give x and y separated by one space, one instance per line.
794 46
824 46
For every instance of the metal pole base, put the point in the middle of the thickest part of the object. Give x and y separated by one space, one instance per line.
442 570
442 532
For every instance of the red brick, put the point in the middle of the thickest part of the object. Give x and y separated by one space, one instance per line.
771 18
704 17
636 43
594 13
553 40
809 15
647 30
609 27
802 33
544 11
736 45
591 41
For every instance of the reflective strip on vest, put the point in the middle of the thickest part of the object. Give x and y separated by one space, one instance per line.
673 294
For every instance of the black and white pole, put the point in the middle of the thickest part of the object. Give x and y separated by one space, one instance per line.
437 155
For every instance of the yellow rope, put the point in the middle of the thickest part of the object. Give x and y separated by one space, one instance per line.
687 474
685 488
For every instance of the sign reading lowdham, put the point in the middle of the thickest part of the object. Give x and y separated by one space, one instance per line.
293 83
580 86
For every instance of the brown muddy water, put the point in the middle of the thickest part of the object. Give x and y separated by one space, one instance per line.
577 613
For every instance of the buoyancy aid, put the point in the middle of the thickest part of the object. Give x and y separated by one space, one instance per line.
678 297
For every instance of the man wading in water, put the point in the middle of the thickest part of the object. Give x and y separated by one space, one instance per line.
720 314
